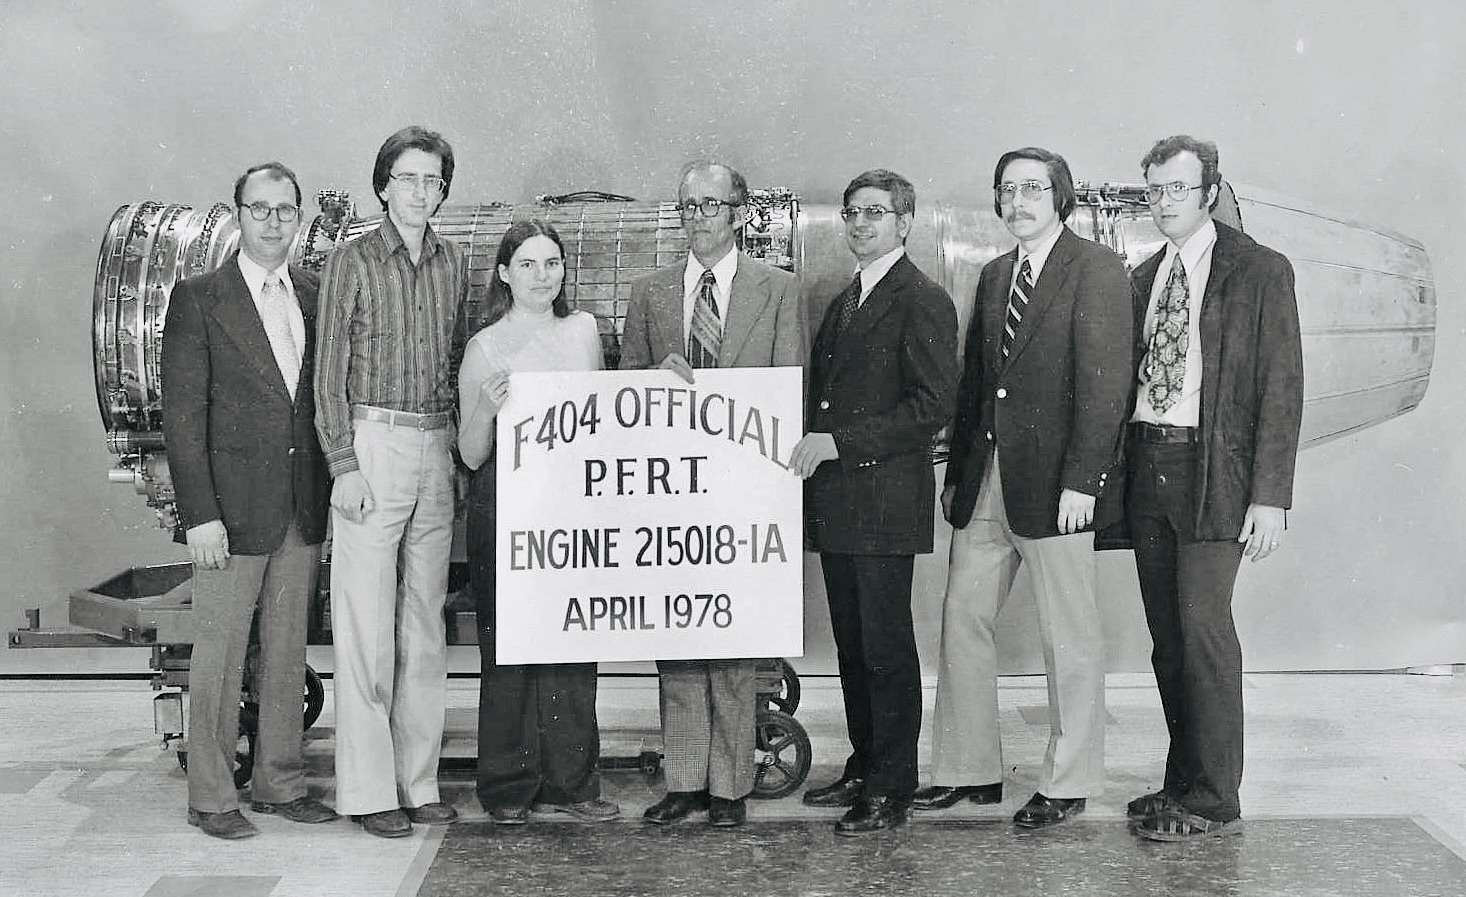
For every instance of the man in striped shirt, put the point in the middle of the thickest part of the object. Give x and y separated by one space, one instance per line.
389 305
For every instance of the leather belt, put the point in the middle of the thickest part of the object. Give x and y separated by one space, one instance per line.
1161 434
435 421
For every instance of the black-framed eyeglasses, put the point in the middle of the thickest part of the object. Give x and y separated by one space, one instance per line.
871 213
261 211
1029 190
710 208
1176 190
430 183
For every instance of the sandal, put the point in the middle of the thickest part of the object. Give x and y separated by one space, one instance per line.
1172 823
1148 805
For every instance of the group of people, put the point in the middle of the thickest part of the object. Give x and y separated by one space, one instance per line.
1159 409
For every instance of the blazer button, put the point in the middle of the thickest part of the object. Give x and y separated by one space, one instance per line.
290 451
1002 392
825 405
989 435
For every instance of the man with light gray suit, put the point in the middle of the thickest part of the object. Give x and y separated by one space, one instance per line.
720 308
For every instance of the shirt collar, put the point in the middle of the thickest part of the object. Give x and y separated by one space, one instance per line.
723 270
390 239
871 274
1195 246
1040 254
257 275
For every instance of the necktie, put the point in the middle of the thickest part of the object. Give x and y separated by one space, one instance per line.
1166 362
849 303
706 334
275 315
1017 305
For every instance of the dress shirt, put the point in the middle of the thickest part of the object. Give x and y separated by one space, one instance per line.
1195 258
871 274
723 270
255 277
1036 258
386 333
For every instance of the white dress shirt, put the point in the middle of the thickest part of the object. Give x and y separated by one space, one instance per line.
723 270
1195 258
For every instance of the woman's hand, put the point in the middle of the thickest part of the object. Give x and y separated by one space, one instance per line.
495 392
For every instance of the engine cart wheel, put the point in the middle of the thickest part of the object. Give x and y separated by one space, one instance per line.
787 699
244 762
649 762
315 696
782 755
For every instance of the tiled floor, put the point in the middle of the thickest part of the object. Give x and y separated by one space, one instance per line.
1355 784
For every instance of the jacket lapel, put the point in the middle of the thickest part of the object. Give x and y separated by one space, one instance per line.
666 312
1049 285
746 301
1223 260
995 310
234 309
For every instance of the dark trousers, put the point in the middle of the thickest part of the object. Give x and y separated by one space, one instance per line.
1186 586
538 740
880 675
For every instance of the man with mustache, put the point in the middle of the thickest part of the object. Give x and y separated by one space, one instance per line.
390 303
717 308
1039 415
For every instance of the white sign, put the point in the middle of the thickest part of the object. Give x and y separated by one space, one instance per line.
641 517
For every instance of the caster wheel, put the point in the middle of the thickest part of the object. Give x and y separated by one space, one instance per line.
782 755
787 700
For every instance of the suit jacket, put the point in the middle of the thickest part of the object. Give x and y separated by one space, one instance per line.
763 325
1251 380
239 450
1055 408
883 388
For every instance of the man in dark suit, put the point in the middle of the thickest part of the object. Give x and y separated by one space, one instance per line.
1211 450
881 383
719 308
1039 416
251 484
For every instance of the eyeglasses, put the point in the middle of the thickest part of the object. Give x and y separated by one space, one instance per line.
260 211
1176 190
430 183
871 213
709 207
1030 190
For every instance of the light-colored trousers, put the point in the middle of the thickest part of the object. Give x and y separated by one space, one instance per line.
280 584
389 579
708 710
984 560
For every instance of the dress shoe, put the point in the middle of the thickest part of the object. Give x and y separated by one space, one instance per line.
940 797
726 813
386 824
840 793
229 825
435 813
509 815
676 805
593 810
1041 811
1147 805
872 814
302 809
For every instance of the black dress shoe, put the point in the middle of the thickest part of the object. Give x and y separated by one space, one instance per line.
725 813
302 809
1147 805
676 805
229 825
435 813
840 793
940 797
1041 811
385 824
872 814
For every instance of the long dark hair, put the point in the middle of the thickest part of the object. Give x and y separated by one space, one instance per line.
500 298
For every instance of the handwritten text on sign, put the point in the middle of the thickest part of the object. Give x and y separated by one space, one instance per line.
641 517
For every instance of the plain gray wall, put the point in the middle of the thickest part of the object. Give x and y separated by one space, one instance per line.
1353 106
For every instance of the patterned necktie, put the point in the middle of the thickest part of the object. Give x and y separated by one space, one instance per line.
1017 305
849 304
706 334
275 315
1165 365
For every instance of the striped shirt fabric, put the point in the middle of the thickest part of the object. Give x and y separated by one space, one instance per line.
385 334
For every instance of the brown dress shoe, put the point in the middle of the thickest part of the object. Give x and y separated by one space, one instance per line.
1041 811
435 813
385 824
840 793
940 797
727 813
872 814
302 809
676 805
229 825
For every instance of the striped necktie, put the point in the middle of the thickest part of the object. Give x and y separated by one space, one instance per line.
1017 305
706 334
1165 363
275 315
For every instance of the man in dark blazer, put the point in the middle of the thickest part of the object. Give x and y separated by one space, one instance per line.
1211 450
881 382
1040 412
718 308
251 485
